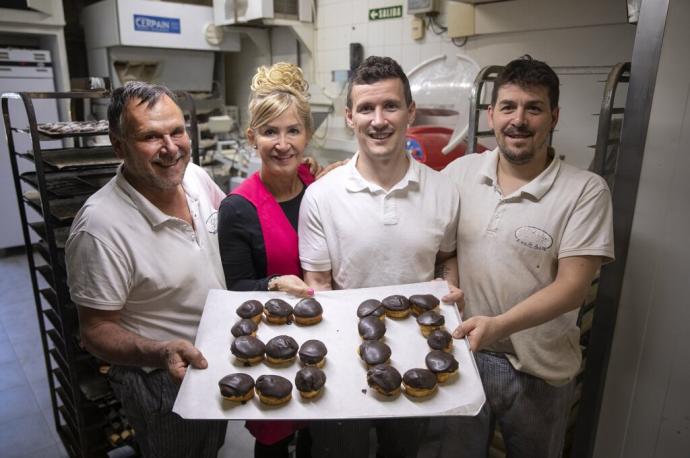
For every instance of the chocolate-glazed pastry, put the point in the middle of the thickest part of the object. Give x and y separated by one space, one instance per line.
277 311
251 309
396 306
281 350
430 321
244 327
374 352
419 382
310 381
248 349
371 307
423 303
308 311
313 353
371 328
238 387
273 390
441 363
385 379
440 339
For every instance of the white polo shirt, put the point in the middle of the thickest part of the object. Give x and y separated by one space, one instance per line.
367 236
509 247
123 253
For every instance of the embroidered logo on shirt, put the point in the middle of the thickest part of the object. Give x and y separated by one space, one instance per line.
212 223
533 237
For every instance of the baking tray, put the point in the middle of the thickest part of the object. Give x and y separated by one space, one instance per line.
97 180
73 128
62 210
61 159
346 394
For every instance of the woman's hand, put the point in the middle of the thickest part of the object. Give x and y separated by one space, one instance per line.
314 167
290 284
330 167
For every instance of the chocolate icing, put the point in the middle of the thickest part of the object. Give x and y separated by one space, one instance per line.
278 307
424 302
236 385
281 347
374 352
310 379
312 351
370 307
247 347
396 303
273 386
420 378
244 327
371 328
431 318
385 377
439 339
441 361
308 308
250 308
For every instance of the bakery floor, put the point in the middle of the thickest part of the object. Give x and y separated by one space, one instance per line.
27 428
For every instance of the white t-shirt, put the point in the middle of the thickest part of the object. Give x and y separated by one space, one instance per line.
123 253
367 236
509 247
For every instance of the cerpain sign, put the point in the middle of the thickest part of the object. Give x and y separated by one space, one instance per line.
156 24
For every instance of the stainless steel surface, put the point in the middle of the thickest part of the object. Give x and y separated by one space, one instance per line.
645 62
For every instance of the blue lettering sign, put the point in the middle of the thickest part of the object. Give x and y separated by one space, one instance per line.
156 24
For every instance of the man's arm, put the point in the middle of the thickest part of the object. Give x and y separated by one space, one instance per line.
103 336
566 293
447 269
319 281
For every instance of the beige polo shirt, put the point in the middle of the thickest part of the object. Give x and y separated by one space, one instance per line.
509 247
123 253
367 236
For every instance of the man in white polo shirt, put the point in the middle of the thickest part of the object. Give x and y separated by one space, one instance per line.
382 219
533 231
141 257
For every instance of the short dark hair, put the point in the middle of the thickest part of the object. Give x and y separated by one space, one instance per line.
133 90
377 68
526 72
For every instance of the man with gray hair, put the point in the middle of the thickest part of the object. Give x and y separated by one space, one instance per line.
141 257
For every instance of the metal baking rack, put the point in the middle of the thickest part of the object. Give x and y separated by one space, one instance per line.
52 183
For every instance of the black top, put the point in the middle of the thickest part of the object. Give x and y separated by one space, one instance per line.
241 242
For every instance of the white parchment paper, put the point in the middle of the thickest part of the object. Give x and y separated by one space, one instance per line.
346 394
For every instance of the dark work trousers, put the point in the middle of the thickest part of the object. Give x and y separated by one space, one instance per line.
148 399
532 414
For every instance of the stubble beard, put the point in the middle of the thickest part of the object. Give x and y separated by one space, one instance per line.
165 183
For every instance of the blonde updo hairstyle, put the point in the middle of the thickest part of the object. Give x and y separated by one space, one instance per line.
274 90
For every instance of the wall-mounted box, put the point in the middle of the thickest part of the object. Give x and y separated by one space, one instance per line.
422 6
460 19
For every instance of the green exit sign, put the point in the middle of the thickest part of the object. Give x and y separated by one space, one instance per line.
389 12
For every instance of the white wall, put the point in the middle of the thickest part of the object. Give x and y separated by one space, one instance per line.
646 405
581 35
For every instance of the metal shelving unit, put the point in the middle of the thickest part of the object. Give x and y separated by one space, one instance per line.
53 183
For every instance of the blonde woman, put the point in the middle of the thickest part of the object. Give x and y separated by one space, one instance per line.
257 230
